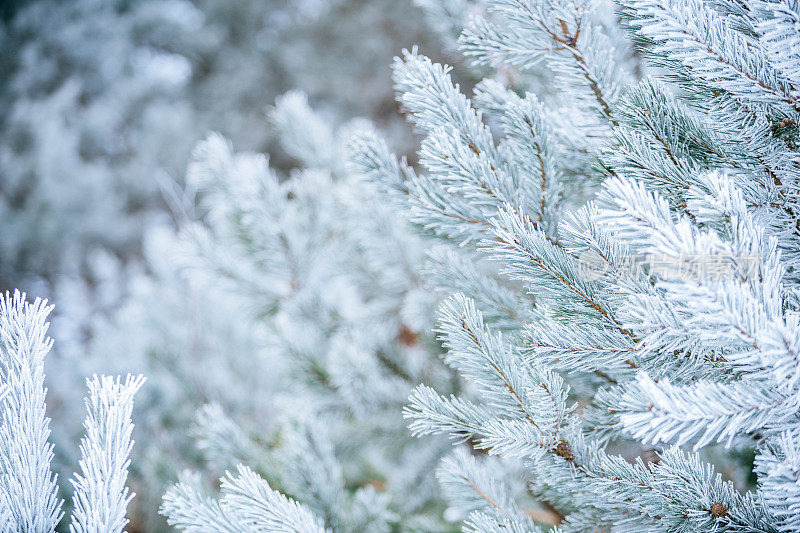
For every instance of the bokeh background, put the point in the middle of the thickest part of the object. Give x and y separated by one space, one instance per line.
102 101
101 104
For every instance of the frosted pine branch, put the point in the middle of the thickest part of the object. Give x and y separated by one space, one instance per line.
101 497
27 485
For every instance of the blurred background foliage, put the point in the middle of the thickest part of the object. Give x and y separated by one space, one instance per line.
102 101
101 104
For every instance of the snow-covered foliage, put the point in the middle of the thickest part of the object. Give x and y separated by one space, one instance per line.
285 327
630 351
28 492
188 336
102 101
608 227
